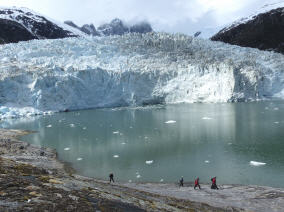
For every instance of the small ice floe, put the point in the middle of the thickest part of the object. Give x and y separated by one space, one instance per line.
161 180
229 143
60 121
207 161
130 127
67 149
72 125
115 132
48 126
116 156
130 181
266 108
137 173
149 162
170 122
120 133
255 163
276 122
145 137
79 158
138 176
123 143
206 118
276 108
84 128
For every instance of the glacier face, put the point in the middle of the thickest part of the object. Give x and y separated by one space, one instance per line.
134 69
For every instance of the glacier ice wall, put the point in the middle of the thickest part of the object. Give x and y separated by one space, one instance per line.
134 69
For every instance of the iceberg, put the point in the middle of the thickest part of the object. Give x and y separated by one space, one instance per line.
45 76
255 163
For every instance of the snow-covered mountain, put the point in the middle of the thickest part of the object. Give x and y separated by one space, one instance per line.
22 24
131 70
263 30
115 27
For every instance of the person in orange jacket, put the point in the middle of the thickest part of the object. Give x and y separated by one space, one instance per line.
214 185
196 183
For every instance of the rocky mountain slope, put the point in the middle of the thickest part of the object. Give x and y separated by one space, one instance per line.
22 24
115 27
132 70
263 30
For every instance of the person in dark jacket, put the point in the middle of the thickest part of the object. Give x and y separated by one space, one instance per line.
196 183
214 185
181 182
111 177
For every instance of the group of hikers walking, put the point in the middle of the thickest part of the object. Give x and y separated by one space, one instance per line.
196 182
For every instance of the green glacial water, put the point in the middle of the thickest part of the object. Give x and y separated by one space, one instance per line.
166 142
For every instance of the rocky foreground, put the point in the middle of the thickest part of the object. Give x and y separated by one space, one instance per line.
32 179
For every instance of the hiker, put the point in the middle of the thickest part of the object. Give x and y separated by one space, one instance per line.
111 177
196 183
181 182
214 185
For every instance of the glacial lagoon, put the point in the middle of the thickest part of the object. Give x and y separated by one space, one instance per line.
240 143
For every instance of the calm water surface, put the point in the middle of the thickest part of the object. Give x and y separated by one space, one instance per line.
145 144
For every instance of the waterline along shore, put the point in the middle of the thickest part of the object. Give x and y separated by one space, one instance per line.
32 178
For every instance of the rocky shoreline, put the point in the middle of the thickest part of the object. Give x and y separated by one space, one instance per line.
33 179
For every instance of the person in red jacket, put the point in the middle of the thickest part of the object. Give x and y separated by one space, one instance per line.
214 185
196 183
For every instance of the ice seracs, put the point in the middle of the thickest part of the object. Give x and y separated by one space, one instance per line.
132 70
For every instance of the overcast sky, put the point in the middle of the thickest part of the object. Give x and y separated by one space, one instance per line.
186 16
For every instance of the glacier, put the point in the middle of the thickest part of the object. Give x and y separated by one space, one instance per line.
45 76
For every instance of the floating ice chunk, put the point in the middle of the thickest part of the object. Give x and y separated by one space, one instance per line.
170 122
130 181
72 125
123 143
79 158
138 176
149 162
120 133
255 163
48 126
207 161
67 149
229 143
84 128
161 180
116 156
206 118
276 108
130 127
276 122
146 137
115 132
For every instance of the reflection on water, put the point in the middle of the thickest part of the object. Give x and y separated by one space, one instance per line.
166 142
